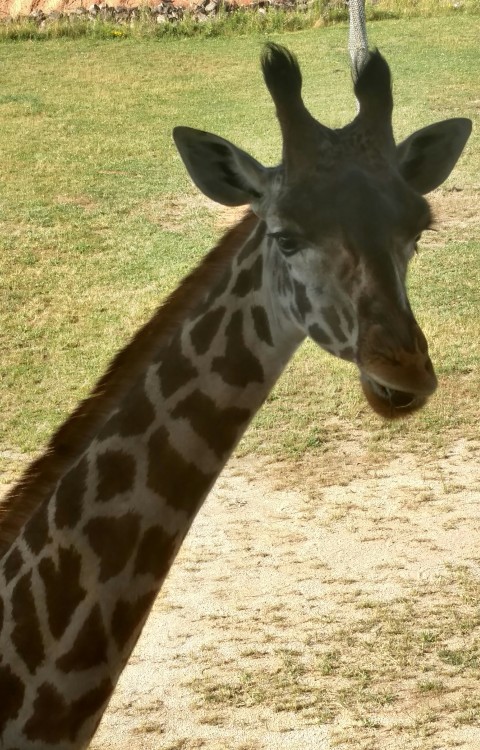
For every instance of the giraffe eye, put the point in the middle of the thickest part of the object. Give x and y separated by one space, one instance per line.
288 244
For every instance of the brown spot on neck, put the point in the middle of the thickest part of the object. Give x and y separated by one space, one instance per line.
12 564
36 533
26 634
239 366
53 720
12 691
262 324
155 553
63 592
69 496
48 721
218 427
113 541
116 474
133 417
249 279
175 369
182 485
90 647
128 616
205 329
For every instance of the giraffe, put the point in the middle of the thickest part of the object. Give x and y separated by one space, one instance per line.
91 530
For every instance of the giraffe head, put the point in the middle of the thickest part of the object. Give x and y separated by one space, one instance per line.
344 211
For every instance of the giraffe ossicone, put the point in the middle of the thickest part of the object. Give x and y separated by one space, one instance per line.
91 530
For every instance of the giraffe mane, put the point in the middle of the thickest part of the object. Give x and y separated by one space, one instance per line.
40 478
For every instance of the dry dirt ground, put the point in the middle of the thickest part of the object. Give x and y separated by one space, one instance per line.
341 616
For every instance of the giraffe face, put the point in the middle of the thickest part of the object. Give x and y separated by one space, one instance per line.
346 242
343 213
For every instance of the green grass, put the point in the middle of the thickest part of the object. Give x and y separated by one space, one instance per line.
99 220
226 25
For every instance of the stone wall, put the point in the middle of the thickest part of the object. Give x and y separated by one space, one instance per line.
126 10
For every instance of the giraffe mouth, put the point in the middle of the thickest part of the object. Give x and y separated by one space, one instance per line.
390 402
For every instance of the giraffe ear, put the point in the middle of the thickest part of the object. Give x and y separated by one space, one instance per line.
427 157
225 173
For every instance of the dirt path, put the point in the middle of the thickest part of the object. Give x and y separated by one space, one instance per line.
349 619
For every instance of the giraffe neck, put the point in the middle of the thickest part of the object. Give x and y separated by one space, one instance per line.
357 38
82 575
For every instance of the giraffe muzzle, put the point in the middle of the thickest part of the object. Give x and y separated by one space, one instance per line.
395 391
397 374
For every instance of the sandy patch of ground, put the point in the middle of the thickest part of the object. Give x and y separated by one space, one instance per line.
349 619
